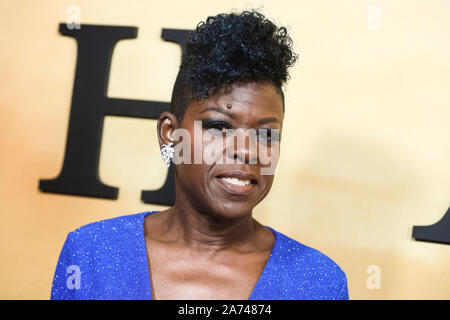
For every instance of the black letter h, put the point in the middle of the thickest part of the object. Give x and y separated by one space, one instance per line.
79 174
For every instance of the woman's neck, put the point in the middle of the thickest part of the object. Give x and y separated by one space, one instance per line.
200 230
204 231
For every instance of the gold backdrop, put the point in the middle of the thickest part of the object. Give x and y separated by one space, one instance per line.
366 141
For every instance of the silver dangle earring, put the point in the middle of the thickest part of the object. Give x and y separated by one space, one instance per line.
167 153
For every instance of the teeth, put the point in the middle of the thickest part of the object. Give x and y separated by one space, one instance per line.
236 181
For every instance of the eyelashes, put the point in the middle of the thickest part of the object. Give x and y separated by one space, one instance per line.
216 126
265 135
220 127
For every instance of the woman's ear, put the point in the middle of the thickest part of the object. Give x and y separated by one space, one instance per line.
167 123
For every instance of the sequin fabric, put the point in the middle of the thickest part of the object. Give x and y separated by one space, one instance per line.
108 260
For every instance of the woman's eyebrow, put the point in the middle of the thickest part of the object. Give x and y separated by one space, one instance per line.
221 110
233 116
268 120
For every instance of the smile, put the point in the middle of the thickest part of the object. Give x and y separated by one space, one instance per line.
237 183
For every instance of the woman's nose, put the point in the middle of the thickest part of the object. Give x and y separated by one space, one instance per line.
243 147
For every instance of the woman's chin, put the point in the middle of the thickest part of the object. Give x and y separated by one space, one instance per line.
231 211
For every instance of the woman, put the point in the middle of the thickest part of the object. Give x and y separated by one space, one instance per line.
208 246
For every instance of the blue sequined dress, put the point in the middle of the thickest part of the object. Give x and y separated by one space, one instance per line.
108 260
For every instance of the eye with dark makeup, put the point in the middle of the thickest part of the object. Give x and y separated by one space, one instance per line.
216 127
268 136
265 135
219 127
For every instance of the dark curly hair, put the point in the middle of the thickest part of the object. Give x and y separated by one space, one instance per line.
231 48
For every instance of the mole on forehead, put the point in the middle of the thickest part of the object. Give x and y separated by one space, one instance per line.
229 106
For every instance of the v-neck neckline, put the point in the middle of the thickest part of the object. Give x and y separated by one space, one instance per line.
267 268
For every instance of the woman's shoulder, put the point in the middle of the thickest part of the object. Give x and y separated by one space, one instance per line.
108 254
109 229
120 238
308 265
296 250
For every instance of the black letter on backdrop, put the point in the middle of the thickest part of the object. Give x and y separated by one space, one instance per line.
438 232
79 174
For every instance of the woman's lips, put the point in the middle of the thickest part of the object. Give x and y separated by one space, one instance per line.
236 186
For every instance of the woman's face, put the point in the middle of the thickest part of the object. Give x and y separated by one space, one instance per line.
231 187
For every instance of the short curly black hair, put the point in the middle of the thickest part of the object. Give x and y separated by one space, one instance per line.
232 48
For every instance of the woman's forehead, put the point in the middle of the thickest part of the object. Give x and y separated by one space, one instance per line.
244 100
